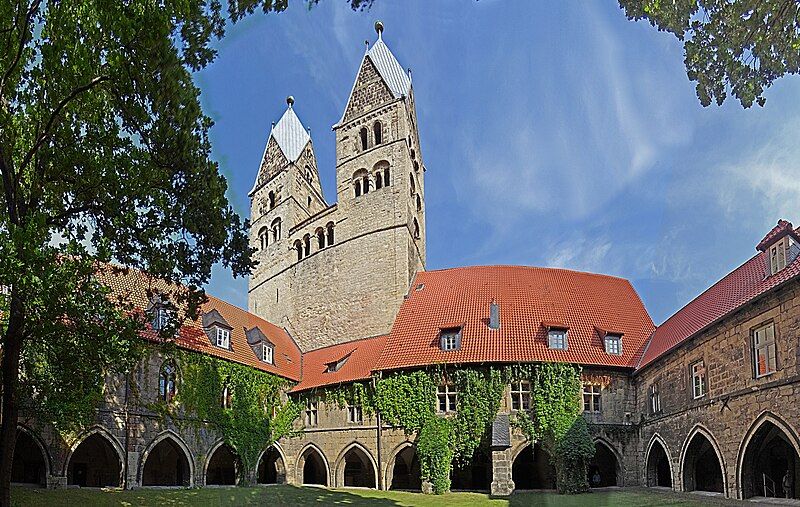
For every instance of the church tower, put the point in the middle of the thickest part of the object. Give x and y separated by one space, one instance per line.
335 273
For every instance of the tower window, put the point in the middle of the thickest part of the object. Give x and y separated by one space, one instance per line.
363 138
357 187
378 180
306 245
271 197
365 183
376 127
419 203
416 229
416 166
413 185
276 229
329 227
320 233
386 176
309 201
263 238
299 248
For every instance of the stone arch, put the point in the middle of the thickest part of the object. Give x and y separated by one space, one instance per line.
475 474
306 245
363 137
298 247
275 227
329 228
319 466
403 470
361 182
150 477
606 468
222 466
353 467
658 463
757 473
700 461
263 238
381 169
271 468
31 463
95 459
531 467
377 132
320 235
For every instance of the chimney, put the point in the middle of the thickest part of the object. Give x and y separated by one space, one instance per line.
494 315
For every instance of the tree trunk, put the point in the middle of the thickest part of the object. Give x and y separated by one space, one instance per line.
12 348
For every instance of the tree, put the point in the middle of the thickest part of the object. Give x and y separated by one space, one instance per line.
104 156
736 46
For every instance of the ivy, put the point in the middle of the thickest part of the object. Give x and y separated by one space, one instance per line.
359 394
407 400
435 449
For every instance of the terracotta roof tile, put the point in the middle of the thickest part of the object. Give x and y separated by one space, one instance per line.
363 354
530 299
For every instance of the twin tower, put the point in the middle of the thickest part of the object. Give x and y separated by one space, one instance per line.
336 272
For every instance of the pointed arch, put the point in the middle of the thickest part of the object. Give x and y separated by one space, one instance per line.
31 462
183 477
222 465
323 477
356 476
764 429
88 462
658 463
402 470
531 467
608 464
271 467
694 449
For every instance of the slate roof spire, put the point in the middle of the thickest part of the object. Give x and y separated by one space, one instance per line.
289 133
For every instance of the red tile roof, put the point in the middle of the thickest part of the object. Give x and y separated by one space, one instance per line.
738 288
363 354
784 227
530 299
136 288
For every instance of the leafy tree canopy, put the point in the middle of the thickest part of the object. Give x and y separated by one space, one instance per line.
731 46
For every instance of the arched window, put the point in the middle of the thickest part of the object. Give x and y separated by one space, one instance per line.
419 203
320 234
416 229
263 238
363 137
306 245
416 166
386 176
271 197
357 185
365 183
376 129
413 153
299 248
276 229
413 185
378 180
330 233
167 381
309 174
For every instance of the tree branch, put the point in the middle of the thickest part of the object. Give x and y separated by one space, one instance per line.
23 40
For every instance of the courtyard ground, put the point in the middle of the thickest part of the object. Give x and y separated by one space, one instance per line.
292 495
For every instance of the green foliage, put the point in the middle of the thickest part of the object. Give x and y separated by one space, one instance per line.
435 450
479 395
573 451
354 394
407 399
737 46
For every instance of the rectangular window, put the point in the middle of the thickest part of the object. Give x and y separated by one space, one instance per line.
160 318
450 339
223 338
698 379
355 414
311 412
655 400
267 353
614 344
447 397
591 398
764 352
521 395
557 339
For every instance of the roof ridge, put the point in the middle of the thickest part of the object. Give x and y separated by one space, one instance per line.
375 337
522 266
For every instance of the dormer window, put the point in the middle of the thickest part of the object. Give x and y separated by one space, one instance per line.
780 247
160 318
223 338
267 353
613 344
557 338
450 338
777 257
335 366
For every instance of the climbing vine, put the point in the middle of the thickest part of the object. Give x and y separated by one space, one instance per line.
360 394
257 416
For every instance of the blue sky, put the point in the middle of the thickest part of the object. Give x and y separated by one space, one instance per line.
556 134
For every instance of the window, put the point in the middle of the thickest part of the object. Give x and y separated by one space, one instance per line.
362 134
267 353
263 238
450 339
276 229
591 398
777 257
557 339
271 198
655 400
413 184
419 203
378 180
299 248
336 365
226 400
223 338
167 382
386 176
521 395
365 183
614 344
764 350
309 202
320 233
416 229
376 130
160 318
698 379
354 414
306 245
329 227
357 186
447 396
311 412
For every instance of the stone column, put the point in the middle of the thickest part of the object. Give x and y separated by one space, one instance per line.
502 483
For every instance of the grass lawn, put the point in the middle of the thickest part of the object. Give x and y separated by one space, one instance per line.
291 495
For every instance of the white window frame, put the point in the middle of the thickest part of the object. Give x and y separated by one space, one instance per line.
521 395
593 391
160 318
698 379
312 414
613 343
446 398
355 414
450 339
223 338
267 353
557 338
763 340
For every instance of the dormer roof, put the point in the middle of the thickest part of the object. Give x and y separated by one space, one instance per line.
290 134
783 228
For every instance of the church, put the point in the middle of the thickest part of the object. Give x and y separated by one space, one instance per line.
340 297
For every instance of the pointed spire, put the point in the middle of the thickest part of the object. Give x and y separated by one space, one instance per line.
289 133
388 67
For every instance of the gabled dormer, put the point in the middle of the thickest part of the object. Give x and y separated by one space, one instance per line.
217 329
262 347
781 247
160 312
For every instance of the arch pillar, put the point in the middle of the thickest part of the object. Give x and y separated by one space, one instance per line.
502 481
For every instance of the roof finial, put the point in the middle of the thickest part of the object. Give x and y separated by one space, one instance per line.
290 100
379 28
